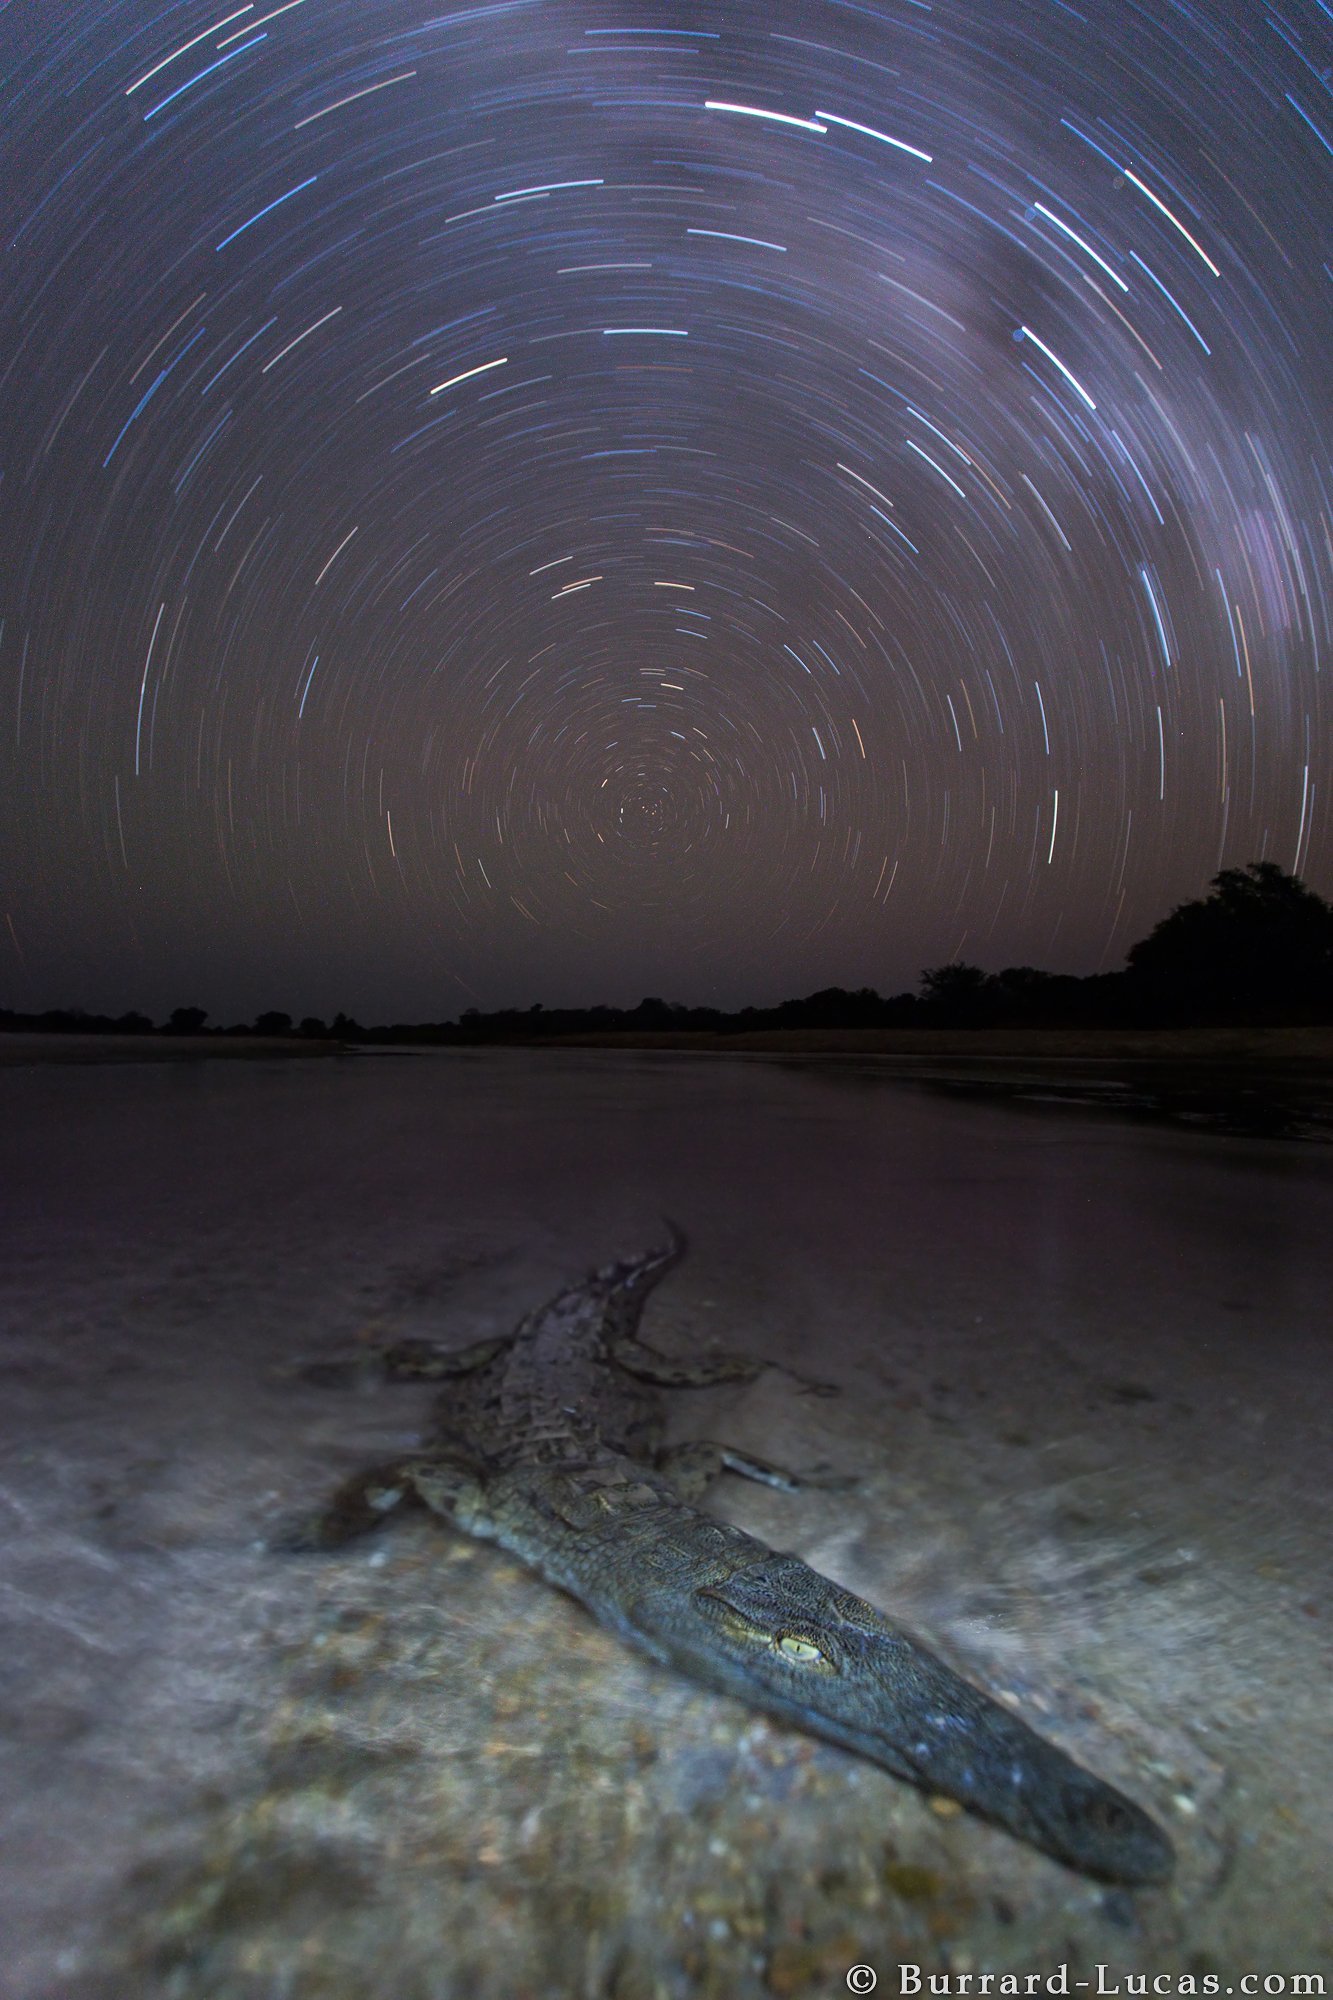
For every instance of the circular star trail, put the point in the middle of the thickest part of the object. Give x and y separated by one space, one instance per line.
563 499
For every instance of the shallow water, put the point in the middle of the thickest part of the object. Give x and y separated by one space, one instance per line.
1085 1368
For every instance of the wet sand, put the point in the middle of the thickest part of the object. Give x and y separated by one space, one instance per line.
1085 1366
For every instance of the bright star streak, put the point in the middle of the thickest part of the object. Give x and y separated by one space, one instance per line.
193 43
1055 360
1157 202
869 132
754 111
1074 237
483 368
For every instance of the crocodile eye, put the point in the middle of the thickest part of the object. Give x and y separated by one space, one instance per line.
802 1649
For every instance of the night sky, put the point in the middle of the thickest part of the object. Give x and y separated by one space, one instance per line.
568 499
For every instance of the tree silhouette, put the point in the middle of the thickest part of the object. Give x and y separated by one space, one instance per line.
958 995
273 1024
187 1020
1261 943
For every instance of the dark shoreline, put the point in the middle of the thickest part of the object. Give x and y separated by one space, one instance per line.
1288 1050
1264 1083
24 1048
1304 1048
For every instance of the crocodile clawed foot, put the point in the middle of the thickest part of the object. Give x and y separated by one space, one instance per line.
308 1535
807 1385
827 1480
350 1371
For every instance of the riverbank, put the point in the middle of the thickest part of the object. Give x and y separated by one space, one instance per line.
1305 1048
22 1048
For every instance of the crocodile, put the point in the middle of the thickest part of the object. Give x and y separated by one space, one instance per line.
548 1441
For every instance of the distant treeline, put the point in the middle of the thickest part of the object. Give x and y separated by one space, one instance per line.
1257 951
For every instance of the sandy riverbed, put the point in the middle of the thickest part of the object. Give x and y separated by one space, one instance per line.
1085 1373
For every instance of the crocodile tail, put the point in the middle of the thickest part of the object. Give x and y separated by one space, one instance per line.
677 1241
636 1276
642 1273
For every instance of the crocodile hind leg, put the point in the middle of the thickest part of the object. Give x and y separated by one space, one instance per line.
395 1361
692 1468
427 1360
702 1371
369 1498
693 1371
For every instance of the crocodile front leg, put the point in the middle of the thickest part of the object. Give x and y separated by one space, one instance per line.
369 1498
692 1468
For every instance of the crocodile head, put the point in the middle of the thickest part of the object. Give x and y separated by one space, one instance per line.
782 1637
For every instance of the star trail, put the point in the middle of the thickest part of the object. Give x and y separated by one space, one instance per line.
568 499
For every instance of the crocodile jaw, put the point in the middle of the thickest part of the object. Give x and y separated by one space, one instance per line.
780 1636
